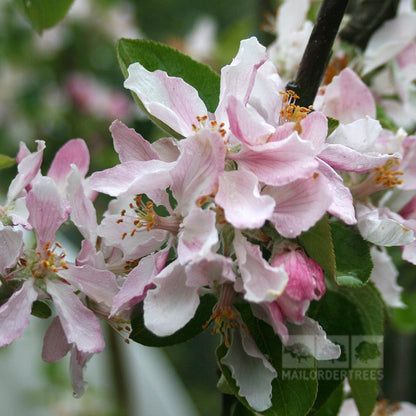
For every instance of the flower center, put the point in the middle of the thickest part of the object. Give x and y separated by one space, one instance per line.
145 217
382 177
49 260
387 177
292 112
203 123
224 315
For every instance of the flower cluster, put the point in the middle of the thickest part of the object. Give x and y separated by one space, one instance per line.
218 208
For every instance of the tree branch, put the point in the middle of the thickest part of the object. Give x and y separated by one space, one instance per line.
318 51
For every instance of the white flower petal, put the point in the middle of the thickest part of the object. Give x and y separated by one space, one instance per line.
250 369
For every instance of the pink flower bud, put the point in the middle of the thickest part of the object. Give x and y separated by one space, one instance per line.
306 281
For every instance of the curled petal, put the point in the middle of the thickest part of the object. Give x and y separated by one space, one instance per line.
310 338
28 168
381 230
238 194
74 152
169 99
261 281
250 369
129 144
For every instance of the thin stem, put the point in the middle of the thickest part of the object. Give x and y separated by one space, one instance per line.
318 51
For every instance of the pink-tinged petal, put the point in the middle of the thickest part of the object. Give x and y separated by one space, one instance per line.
131 178
270 313
300 204
309 337
99 285
360 135
409 253
138 280
77 365
314 129
279 162
342 205
15 313
83 213
250 369
262 282
247 124
23 152
346 159
74 152
381 230
408 164
55 345
20 213
384 275
167 149
389 40
129 144
238 78
238 194
11 247
347 98
212 268
47 210
265 96
409 210
168 99
198 235
197 170
88 255
172 304
28 168
79 323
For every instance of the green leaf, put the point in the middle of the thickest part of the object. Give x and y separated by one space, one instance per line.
41 309
318 244
404 319
153 56
352 256
333 404
43 14
241 410
294 389
353 318
143 336
6 161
